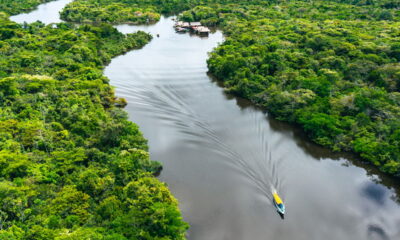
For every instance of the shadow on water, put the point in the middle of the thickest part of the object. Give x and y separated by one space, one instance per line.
376 232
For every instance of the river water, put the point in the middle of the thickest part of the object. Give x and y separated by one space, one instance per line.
46 13
222 157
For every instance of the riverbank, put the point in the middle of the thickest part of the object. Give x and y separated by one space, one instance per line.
73 166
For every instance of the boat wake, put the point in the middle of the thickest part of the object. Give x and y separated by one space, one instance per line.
174 93
252 158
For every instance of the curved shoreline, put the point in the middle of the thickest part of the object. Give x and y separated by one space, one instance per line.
217 198
94 178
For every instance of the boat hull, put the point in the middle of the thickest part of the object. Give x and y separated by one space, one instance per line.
280 209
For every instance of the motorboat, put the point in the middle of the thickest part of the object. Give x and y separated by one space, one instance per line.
181 29
280 207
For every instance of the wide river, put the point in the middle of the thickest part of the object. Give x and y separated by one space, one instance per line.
223 157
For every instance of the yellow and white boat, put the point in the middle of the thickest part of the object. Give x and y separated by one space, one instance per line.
278 203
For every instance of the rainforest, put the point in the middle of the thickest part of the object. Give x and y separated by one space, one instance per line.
72 166
71 162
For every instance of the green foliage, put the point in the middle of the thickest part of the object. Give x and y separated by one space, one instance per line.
137 11
17 6
68 153
109 11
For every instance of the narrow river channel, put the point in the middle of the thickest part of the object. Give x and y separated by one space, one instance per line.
223 157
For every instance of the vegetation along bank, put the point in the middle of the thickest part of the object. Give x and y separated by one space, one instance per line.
71 165
18 6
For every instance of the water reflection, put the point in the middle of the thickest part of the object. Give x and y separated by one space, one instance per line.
376 233
375 193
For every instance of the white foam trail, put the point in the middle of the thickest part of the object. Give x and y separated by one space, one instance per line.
167 103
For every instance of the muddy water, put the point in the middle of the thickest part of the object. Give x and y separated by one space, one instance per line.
222 157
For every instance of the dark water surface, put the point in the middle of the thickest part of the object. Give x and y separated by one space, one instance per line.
222 157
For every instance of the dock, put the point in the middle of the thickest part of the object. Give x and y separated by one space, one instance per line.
194 27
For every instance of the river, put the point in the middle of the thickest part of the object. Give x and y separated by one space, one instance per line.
223 157
46 13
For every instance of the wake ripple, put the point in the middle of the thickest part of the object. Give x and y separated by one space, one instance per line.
167 102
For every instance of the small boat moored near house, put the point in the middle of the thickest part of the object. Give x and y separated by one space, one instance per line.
181 30
280 207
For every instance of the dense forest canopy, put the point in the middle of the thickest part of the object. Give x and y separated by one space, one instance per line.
71 165
138 10
17 6
109 11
